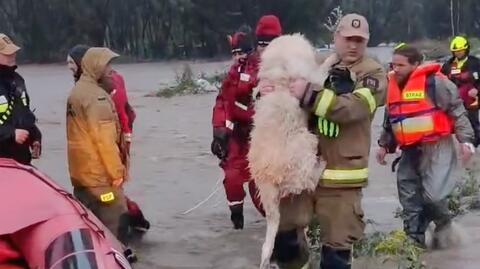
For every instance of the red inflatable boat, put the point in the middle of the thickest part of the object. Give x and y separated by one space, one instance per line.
44 226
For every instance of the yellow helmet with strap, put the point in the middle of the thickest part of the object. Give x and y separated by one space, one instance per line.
459 43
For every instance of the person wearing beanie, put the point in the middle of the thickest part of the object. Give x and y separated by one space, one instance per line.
20 138
74 60
268 28
239 107
231 134
240 110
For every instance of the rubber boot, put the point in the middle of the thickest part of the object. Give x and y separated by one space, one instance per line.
123 233
335 258
419 239
415 227
130 255
288 251
237 216
137 219
448 234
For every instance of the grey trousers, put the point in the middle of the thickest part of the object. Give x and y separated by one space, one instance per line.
424 181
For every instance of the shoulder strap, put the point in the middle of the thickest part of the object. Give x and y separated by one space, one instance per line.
430 88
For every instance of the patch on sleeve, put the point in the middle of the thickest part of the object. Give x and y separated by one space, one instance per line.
3 99
371 83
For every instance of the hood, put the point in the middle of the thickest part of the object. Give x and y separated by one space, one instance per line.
95 61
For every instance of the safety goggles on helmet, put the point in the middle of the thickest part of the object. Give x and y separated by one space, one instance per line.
263 43
237 51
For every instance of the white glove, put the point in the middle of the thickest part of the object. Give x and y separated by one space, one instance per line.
128 137
467 151
470 147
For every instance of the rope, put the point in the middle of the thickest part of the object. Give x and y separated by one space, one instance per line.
215 189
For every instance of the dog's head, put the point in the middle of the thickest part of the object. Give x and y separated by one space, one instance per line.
289 56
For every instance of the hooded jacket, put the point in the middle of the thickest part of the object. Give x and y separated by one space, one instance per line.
93 131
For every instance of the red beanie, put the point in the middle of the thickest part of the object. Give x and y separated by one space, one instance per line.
268 26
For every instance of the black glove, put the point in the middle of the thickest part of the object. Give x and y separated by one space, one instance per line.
219 146
340 81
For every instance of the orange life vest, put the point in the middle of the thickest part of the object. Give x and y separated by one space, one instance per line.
414 117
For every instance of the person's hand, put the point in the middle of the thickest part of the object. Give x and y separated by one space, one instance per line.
127 137
297 87
36 149
265 86
117 182
21 136
380 156
473 92
340 81
467 150
219 148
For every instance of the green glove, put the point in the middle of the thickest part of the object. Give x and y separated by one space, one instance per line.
328 128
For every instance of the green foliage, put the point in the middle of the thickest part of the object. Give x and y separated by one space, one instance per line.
465 194
187 84
394 247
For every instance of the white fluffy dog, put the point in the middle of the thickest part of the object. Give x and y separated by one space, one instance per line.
283 152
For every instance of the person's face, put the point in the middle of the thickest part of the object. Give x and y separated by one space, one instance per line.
107 79
8 60
350 49
402 68
238 57
72 65
460 54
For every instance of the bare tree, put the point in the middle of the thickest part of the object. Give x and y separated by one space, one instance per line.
333 19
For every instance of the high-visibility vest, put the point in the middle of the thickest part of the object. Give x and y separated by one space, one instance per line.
414 117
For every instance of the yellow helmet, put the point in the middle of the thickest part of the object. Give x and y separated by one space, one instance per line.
459 43
400 45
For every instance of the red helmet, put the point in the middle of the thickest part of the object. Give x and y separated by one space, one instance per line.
241 42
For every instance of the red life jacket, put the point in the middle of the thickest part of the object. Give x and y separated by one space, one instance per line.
413 115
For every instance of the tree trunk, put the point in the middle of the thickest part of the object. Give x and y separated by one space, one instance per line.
451 18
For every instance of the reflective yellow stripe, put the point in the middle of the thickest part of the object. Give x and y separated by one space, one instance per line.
107 197
324 103
368 96
345 175
3 108
1 122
